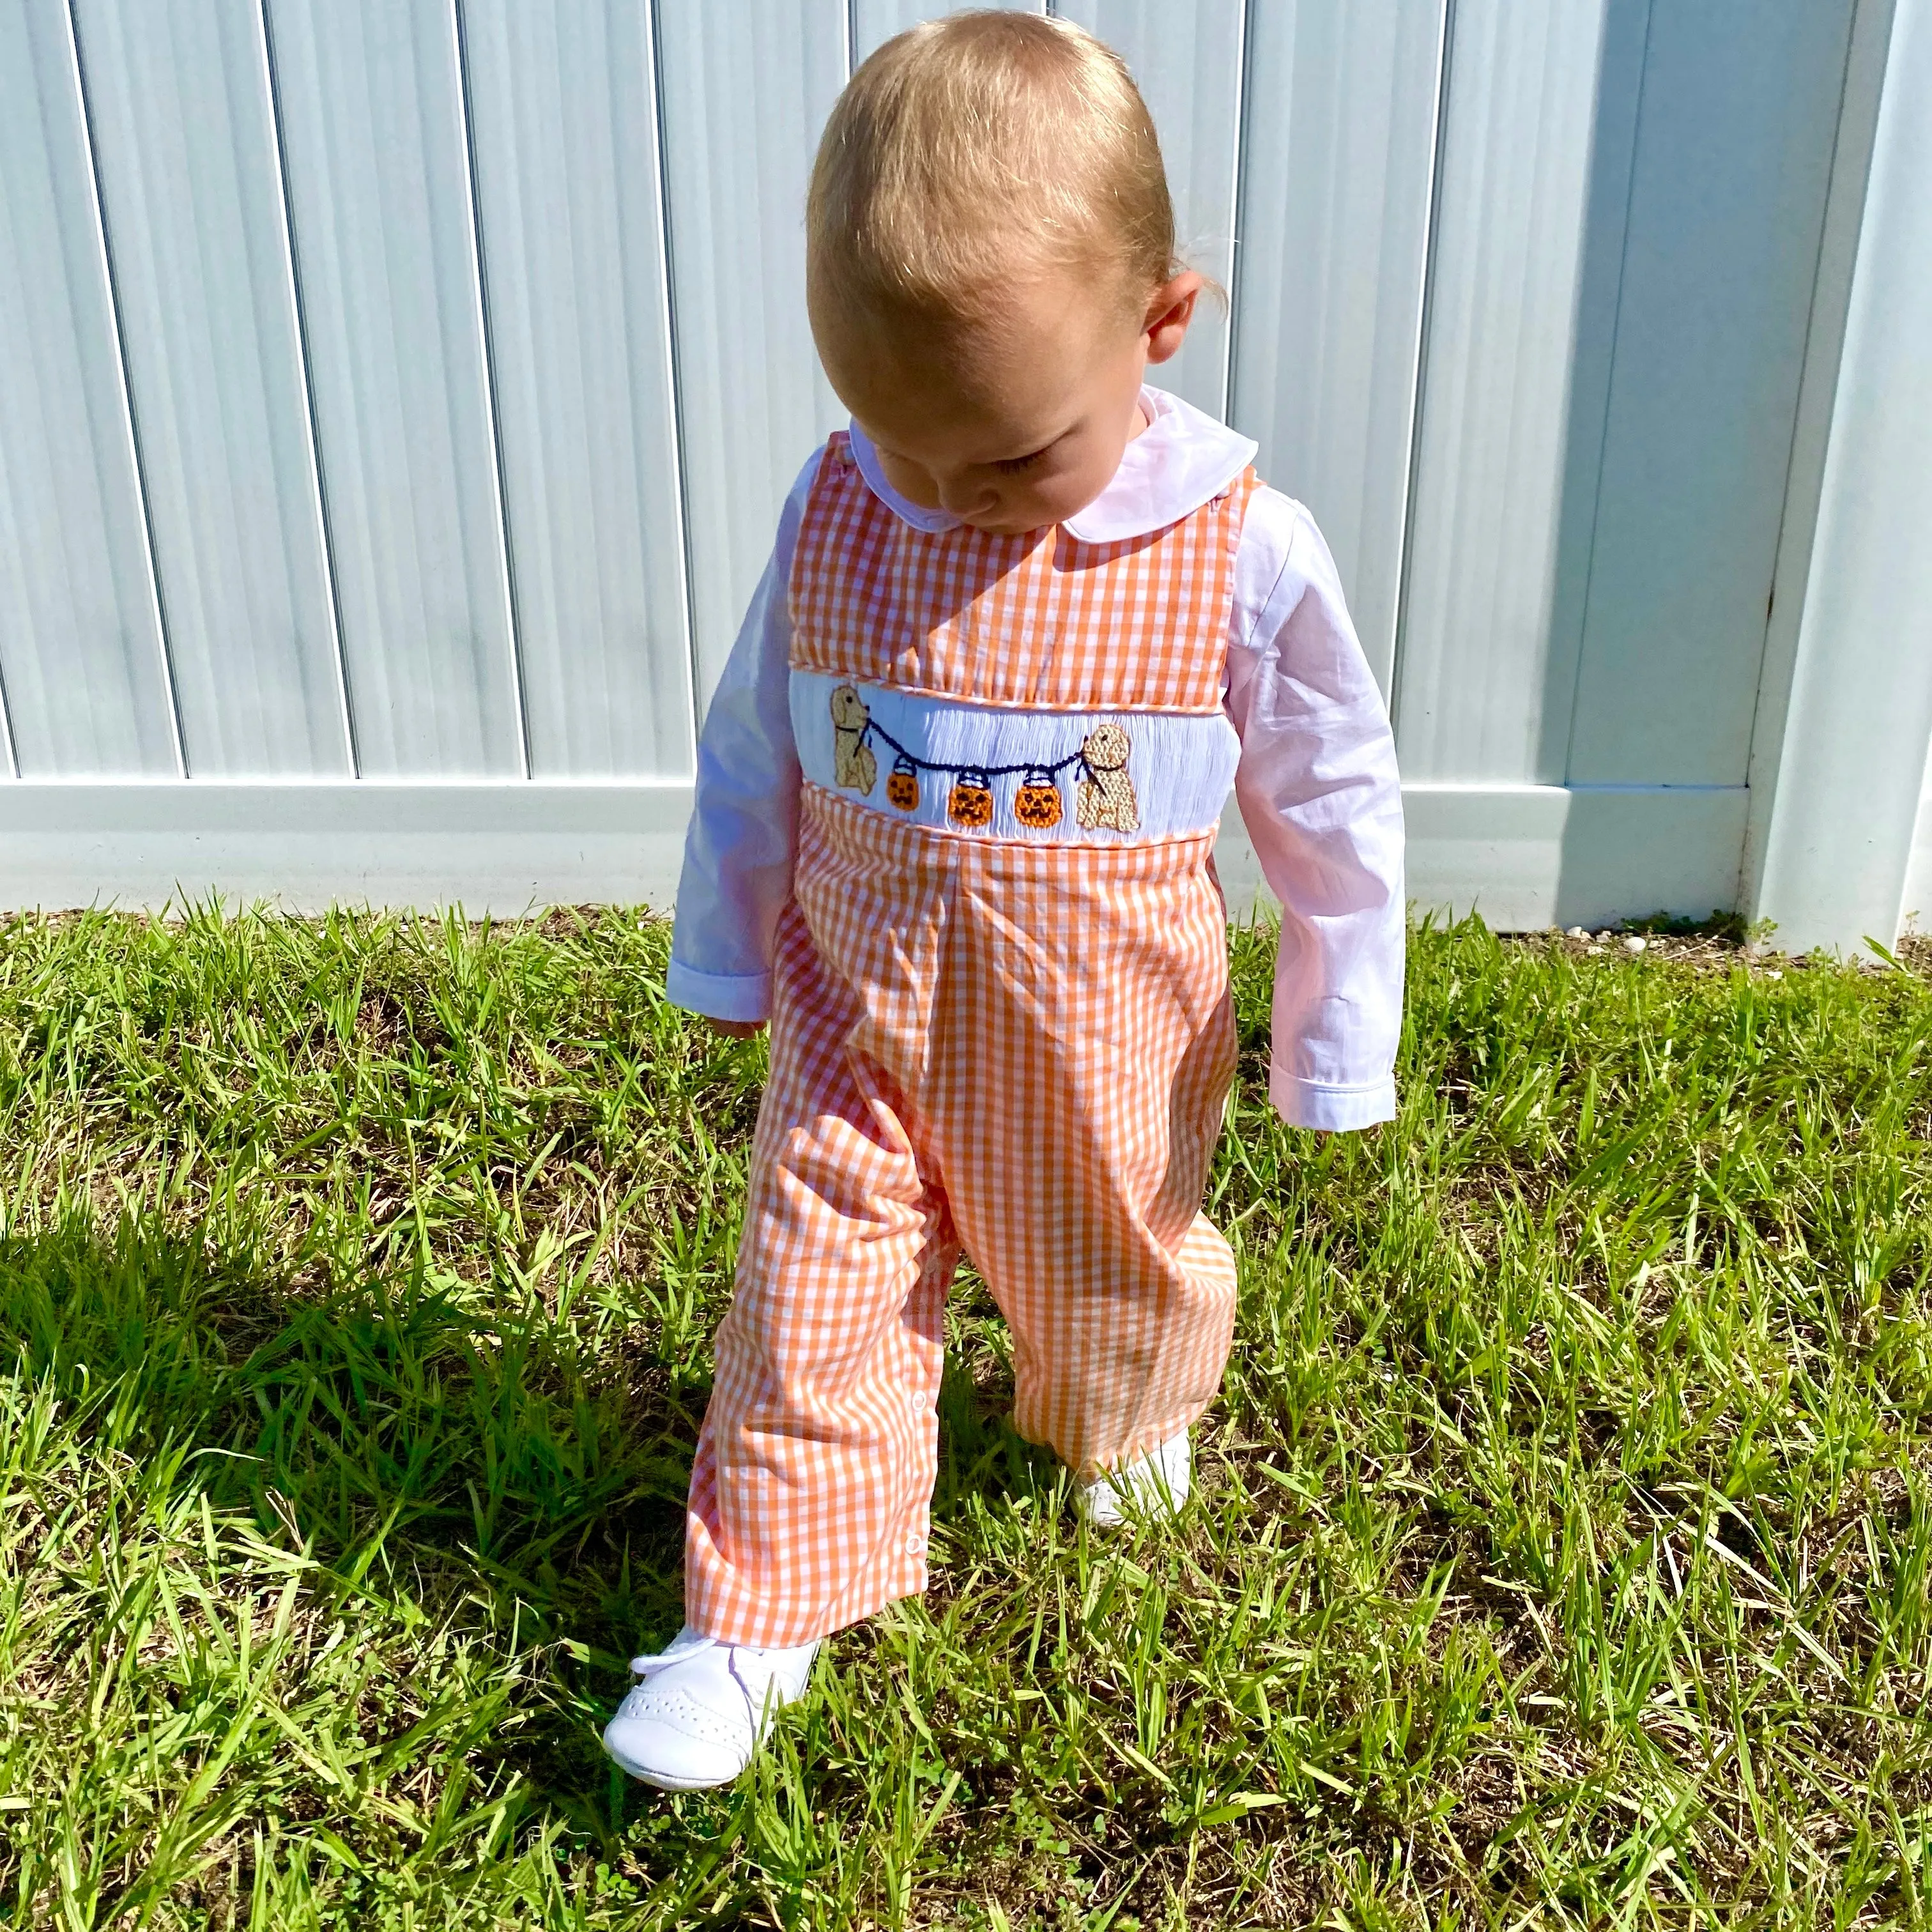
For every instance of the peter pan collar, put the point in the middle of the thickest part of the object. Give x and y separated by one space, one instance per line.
1183 458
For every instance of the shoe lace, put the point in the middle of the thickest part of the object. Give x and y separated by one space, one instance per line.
649 1666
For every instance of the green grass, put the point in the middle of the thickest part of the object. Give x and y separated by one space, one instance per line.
1563 1555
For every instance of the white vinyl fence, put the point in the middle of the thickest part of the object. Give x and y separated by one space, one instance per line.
396 397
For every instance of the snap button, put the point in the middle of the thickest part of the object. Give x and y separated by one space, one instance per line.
915 1544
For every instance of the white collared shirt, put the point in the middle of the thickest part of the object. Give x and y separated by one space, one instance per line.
1316 783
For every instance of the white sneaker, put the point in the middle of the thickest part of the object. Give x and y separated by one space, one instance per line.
1155 1485
697 1718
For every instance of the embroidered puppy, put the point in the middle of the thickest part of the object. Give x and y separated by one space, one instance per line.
853 765
1106 796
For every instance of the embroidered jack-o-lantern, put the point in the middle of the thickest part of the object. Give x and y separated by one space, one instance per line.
902 787
1036 803
970 801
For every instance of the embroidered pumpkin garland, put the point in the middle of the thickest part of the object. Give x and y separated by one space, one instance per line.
1104 797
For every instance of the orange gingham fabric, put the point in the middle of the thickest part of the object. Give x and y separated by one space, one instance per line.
1042 619
1021 1047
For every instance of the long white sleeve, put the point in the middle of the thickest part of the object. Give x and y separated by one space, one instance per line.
1318 791
738 852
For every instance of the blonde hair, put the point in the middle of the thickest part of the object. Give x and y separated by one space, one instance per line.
979 144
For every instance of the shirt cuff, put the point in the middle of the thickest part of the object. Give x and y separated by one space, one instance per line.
719 996
1329 1108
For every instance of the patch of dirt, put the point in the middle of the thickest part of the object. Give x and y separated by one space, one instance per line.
1721 944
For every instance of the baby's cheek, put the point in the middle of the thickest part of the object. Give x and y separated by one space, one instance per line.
1070 493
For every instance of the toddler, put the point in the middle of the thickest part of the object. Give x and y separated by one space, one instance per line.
1026 622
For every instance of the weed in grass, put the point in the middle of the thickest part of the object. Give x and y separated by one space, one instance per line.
1563 1553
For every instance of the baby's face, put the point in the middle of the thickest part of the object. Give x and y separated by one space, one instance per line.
1013 421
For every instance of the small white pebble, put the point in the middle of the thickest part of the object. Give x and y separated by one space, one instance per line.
1635 943
1606 936
1776 973
1596 949
1577 932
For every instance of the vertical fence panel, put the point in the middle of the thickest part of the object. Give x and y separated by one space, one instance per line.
744 91
184 139
1514 378
564 120
372 125
1741 100
1340 140
80 643
1185 56
1844 724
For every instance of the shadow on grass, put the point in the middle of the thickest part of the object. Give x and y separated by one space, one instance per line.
461 1458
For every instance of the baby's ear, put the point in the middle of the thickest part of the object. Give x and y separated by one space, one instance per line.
1169 313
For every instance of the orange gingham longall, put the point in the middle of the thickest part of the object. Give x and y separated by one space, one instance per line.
1022 1046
